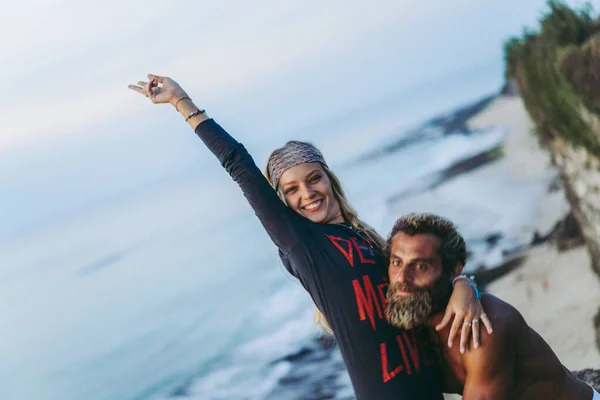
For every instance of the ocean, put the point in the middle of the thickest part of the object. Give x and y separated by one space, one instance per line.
166 287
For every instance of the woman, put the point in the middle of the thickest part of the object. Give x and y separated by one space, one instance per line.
337 258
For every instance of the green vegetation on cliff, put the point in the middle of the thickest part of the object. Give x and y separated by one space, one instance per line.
557 68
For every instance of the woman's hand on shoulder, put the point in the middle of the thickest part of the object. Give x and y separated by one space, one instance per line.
160 89
468 315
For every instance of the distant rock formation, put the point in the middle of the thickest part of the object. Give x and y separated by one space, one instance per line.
566 234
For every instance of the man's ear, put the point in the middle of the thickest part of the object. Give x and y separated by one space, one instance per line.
458 269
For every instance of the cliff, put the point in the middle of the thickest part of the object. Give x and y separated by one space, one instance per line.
556 68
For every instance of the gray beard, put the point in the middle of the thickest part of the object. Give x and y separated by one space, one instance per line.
406 312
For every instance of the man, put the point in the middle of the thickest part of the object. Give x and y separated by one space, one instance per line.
425 254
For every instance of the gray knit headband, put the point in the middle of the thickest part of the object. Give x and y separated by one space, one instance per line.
292 154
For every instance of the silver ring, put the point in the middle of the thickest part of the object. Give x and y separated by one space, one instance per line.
475 321
483 315
467 323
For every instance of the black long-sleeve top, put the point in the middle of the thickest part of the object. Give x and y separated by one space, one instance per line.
346 278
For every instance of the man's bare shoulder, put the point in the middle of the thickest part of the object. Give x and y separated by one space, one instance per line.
502 315
507 323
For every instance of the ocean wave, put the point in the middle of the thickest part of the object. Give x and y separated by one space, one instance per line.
251 370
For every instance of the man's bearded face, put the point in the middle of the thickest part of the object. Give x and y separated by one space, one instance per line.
409 310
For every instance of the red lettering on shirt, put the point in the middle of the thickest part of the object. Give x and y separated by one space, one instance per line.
360 249
404 357
347 253
385 369
382 295
408 348
413 349
366 300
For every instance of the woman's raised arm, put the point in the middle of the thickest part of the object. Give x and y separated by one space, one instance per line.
282 224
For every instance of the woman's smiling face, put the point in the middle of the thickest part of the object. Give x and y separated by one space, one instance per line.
307 190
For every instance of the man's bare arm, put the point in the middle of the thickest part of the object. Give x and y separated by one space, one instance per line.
490 368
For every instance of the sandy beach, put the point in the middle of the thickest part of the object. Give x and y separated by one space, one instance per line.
557 292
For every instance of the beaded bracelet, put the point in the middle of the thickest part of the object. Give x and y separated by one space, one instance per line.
195 113
471 281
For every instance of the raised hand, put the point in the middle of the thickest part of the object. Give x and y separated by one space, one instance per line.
160 89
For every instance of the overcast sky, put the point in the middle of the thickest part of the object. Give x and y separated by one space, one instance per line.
66 62
263 68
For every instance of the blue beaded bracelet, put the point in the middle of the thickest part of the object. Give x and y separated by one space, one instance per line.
470 281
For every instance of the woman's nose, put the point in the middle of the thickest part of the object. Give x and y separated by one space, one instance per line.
306 192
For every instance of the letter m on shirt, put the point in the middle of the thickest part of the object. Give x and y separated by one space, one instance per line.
366 300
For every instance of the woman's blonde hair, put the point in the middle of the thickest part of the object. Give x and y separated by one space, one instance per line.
350 216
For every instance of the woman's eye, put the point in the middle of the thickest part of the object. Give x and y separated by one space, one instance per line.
289 190
315 178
